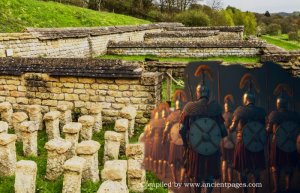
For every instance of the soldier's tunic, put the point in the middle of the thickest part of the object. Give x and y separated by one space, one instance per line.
175 154
147 140
227 154
157 129
279 158
243 158
199 166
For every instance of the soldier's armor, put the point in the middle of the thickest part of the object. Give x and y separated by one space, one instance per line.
176 150
243 158
157 129
201 166
229 141
283 153
147 140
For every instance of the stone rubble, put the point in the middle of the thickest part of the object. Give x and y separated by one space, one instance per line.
121 126
25 181
89 151
8 154
17 119
58 153
71 131
96 112
112 145
73 169
129 112
87 122
6 112
35 114
29 131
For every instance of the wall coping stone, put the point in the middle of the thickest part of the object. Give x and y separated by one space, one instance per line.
80 32
79 67
220 28
192 44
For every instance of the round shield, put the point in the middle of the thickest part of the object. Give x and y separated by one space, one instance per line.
286 136
175 137
254 136
298 144
205 136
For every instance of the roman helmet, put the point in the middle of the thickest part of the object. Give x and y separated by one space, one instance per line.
283 92
228 103
180 99
249 95
164 109
202 90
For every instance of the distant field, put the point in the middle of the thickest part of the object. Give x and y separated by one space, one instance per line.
228 59
16 15
282 41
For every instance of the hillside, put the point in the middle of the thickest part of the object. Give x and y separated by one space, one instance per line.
16 15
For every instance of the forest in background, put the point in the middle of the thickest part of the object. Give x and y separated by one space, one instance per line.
199 13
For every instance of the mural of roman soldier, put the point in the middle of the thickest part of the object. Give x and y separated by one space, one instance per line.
228 142
157 126
249 123
147 140
283 124
171 134
163 148
202 130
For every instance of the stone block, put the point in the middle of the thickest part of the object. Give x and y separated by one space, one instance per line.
113 187
115 170
25 181
8 154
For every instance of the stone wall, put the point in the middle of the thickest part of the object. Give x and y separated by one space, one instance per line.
71 42
82 83
225 32
188 49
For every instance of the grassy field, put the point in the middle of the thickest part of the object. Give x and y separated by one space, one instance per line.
282 41
227 59
45 186
16 15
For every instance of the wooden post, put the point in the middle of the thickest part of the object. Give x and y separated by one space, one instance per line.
169 85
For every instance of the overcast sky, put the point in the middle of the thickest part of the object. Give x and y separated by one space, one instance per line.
263 5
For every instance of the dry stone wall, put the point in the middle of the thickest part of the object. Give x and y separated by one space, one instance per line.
71 42
113 89
188 49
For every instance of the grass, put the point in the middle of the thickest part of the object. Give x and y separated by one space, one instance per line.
16 15
45 186
227 59
282 41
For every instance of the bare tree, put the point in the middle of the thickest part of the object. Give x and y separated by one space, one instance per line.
215 4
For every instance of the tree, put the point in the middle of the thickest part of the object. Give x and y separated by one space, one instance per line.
193 18
273 29
267 14
215 4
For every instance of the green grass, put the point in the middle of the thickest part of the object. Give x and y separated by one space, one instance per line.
282 41
227 59
16 15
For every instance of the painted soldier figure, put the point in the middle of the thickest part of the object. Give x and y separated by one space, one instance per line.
202 130
171 134
156 132
228 142
147 140
249 124
283 125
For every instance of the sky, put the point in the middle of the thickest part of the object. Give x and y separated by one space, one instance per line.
262 6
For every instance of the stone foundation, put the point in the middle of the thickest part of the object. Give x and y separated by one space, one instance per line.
8 154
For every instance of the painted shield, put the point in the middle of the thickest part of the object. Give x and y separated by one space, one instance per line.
298 143
286 136
205 136
175 137
254 136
